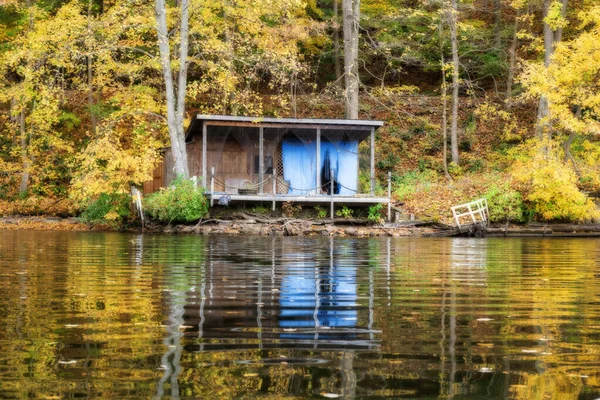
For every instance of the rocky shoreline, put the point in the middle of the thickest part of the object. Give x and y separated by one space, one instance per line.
246 226
250 225
290 228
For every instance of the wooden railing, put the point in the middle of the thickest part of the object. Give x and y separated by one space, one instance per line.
476 212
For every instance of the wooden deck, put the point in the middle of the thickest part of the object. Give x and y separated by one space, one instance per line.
359 200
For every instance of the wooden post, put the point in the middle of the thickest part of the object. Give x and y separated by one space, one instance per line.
318 164
372 161
212 185
331 183
274 179
204 138
389 196
261 160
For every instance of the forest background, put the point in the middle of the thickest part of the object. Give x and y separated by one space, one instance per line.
494 98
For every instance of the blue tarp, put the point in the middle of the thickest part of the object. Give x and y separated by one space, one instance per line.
299 164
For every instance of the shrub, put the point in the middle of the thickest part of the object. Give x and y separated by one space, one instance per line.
108 207
550 188
321 212
290 209
375 214
344 212
183 201
37 205
505 204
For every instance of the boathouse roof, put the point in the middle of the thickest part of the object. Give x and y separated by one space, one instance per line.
269 122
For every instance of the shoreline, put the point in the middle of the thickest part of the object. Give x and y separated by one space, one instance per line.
298 227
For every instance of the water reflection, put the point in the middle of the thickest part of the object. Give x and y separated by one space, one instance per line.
116 316
282 296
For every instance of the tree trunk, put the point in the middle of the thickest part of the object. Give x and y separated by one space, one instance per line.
176 133
26 162
444 107
497 25
512 56
544 125
567 146
336 44
89 73
351 15
453 22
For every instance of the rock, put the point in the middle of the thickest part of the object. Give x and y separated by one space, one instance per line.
187 229
351 231
290 230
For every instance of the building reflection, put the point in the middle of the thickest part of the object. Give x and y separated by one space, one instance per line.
280 296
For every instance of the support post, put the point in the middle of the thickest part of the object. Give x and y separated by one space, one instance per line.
212 185
204 138
389 196
261 159
318 164
372 161
274 179
331 183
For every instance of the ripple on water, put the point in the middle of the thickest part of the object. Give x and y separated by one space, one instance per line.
140 316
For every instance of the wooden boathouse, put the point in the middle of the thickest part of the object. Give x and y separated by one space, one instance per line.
255 159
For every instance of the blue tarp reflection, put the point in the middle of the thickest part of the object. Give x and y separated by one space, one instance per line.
317 296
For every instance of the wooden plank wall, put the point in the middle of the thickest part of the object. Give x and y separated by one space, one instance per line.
157 179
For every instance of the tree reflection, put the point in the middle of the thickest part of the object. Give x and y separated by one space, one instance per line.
108 315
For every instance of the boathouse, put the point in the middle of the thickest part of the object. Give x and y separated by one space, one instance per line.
250 159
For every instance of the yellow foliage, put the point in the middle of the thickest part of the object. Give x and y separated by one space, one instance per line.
491 114
571 81
550 186
38 205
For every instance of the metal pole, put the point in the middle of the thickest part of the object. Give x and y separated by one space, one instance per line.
204 137
212 185
274 179
372 161
261 159
389 196
318 164
331 182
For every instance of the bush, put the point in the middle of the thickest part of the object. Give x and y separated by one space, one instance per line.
108 207
290 209
375 214
505 204
550 188
37 205
183 201
344 212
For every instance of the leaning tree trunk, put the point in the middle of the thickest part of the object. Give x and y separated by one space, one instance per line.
512 56
336 44
351 16
453 22
175 110
544 125
444 109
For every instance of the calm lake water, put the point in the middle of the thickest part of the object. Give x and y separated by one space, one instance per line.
115 316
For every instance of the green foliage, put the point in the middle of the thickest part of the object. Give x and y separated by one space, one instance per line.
374 215
183 201
260 210
405 185
290 209
321 212
505 204
344 212
108 207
